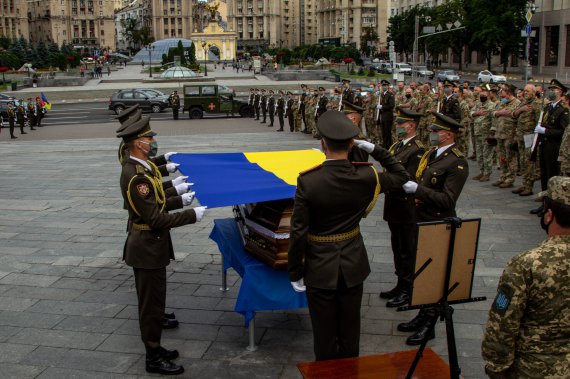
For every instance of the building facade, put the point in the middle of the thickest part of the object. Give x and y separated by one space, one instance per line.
168 18
13 18
129 14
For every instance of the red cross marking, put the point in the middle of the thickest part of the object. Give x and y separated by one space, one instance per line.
212 106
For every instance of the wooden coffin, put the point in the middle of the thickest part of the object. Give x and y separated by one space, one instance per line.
267 227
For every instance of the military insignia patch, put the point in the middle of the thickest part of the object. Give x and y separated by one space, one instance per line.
460 167
433 180
143 189
502 301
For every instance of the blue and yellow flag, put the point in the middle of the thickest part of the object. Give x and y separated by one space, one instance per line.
45 101
226 179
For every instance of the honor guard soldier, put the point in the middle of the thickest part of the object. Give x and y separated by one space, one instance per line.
174 102
263 105
40 111
400 208
21 112
148 248
302 97
251 96
550 131
256 99
32 116
271 107
281 110
349 105
11 119
441 175
450 106
386 113
327 256
322 103
290 110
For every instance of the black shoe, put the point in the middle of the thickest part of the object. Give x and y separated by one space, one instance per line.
270 125
424 332
160 365
168 354
279 130
23 133
170 316
413 325
389 294
13 137
397 301
32 128
536 211
262 122
169 324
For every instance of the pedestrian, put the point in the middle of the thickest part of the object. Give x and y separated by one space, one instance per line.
40 112
148 248
11 119
302 99
564 154
527 333
370 102
108 69
322 102
327 256
174 102
441 175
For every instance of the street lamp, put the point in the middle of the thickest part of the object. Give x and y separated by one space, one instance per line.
150 48
530 10
416 32
205 46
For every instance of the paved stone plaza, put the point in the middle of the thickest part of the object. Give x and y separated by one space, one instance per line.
67 302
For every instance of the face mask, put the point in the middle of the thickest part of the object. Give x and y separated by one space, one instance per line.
456 95
401 131
447 91
504 100
551 95
384 88
370 89
483 98
434 139
153 148
408 96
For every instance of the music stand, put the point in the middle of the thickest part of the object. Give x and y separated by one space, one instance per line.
443 276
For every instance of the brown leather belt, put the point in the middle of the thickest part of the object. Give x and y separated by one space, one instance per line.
334 237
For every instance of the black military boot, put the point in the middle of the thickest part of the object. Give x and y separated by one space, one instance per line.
168 323
157 363
390 294
402 298
426 331
169 354
536 211
414 324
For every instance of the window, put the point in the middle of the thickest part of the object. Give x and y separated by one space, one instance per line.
552 41
192 91
208 91
102 32
127 95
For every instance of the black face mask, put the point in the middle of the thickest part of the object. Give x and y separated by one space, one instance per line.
408 95
483 98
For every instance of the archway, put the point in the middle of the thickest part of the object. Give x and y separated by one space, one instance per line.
214 53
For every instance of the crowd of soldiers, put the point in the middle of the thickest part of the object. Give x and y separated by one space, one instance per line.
24 115
508 130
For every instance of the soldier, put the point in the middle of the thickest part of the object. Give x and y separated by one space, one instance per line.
482 117
251 96
256 100
550 132
400 208
302 97
527 331
441 175
505 135
564 154
291 110
174 102
311 111
32 115
327 256
11 119
281 110
450 105
270 107
322 103
40 111
148 248
298 114
400 95
424 106
465 104
21 113
385 114
263 105
527 116
370 102
349 105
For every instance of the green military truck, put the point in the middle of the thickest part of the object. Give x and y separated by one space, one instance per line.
212 98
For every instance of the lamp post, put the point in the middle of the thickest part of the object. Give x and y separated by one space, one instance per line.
530 10
204 46
150 48
416 33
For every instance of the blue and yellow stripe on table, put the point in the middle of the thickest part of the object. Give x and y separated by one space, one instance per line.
225 179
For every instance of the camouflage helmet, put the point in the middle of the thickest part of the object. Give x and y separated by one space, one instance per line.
558 190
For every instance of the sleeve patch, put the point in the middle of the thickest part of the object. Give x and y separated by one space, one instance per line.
502 301
143 189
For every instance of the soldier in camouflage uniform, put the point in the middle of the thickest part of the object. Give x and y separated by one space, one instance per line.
482 115
424 105
527 116
370 103
311 111
505 135
334 100
564 154
299 113
464 106
528 331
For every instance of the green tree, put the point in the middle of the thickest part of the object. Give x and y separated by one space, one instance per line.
447 14
18 50
180 52
401 29
5 42
41 55
130 28
143 36
192 54
9 59
370 35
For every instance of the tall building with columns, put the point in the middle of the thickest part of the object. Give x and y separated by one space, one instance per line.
14 18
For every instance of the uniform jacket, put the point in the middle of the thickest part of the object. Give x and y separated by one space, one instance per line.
400 207
451 108
322 105
440 185
256 99
528 331
331 199
388 103
349 102
280 105
149 249
251 97
271 104
555 121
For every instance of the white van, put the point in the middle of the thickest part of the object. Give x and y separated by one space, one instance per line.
403 68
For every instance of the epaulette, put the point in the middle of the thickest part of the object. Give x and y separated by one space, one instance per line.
310 170
457 152
419 144
140 169
362 163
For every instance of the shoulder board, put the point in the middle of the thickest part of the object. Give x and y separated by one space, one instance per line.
419 144
456 151
140 169
361 163
310 170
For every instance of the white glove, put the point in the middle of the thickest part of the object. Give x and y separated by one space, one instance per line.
540 129
364 145
299 285
169 155
200 213
410 187
179 180
182 188
172 167
187 198
379 106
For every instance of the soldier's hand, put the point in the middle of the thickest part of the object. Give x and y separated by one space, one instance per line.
179 180
169 155
172 167
200 213
379 106
364 145
187 198
410 187
299 285
182 188
540 129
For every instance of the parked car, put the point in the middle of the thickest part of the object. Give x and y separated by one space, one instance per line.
450 75
212 98
4 96
422 71
403 68
127 98
490 77
385 68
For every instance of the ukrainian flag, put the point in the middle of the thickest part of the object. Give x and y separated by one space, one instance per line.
45 101
226 179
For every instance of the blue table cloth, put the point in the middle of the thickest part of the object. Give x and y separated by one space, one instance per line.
262 288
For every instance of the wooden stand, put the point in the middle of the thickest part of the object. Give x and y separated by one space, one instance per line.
385 366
